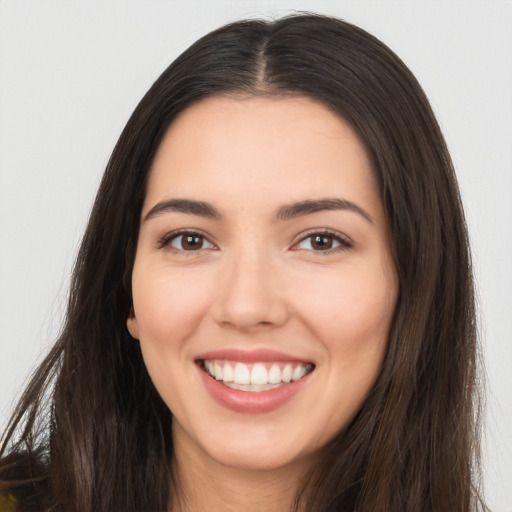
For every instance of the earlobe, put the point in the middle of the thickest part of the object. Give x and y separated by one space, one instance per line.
133 325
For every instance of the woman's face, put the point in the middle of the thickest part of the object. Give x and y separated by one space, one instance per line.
263 284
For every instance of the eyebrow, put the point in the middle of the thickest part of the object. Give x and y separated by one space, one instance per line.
184 206
312 206
286 212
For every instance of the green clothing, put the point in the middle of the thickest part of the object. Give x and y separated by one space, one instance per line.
7 502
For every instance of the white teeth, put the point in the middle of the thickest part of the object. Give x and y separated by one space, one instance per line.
228 373
255 377
242 374
298 372
274 374
217 369
259 374
287 373
252 387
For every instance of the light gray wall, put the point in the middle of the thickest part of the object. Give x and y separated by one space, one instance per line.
72 72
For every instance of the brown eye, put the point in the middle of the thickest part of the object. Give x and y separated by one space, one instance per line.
323 242
190 242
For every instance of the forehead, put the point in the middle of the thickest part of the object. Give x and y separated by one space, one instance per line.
279 148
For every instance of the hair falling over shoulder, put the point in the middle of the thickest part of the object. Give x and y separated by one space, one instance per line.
92 434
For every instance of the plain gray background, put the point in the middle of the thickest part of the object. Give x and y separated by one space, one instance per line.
71 72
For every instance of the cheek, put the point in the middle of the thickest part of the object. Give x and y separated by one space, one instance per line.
169 304
350 312
168 314
169 307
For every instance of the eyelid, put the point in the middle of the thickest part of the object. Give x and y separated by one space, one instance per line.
344 241
165 240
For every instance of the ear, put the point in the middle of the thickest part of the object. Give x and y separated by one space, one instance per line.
133 325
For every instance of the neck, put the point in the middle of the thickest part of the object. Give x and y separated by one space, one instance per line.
204 484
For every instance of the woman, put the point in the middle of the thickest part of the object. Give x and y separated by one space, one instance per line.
272 307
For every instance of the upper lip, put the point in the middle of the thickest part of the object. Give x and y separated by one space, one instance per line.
250 356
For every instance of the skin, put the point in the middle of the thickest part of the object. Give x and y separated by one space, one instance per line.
256 282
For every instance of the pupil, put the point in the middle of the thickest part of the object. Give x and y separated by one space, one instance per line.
192 242
322 242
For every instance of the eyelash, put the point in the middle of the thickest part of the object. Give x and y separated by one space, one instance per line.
167 239
344 243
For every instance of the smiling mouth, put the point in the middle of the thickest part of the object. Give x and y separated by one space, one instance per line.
255 377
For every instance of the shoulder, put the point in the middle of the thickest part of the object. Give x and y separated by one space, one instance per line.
7 502
23 483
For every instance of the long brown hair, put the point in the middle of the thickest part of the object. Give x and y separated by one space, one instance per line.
91 433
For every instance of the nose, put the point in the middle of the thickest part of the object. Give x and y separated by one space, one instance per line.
250 296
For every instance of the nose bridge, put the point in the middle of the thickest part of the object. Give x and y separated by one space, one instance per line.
249 295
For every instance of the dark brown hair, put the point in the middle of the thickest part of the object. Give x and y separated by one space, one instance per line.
91 433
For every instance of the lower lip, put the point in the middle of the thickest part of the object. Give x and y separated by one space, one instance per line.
252 401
